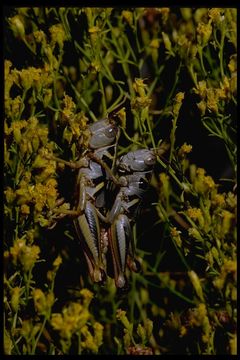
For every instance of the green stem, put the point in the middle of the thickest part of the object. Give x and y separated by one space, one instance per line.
104 109
193 75
29 46
201 60
150 132
27 279
173 138
79 343
22 103
180 295
39 335
181 255
221 46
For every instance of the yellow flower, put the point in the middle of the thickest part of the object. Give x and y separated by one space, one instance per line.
164 11
231 200
57 262
215 15
128 16
121 315
232 65
176 236
229 267
233 344
72 320
167 42
98 333
184 149
155 43
141 333
227 220
88 343
17 26
10 195
201 89
87 296
94 34
218 200
204 32
42 302
26 255
139 87
196 214
149 328
7 343
183 331
195 234
203 183
39 36
177 103
29 77
69 108
140 103
144 295
165 184
58 35
15 298
196 284
186 13
25 209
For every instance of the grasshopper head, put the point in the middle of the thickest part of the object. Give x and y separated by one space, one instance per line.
138 160
103 133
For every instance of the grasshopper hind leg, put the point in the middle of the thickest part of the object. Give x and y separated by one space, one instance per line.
88 231
122 249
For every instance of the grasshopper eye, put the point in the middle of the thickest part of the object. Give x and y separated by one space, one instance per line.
110 132
150 159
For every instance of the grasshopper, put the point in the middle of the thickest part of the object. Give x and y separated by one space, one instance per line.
94 174
135 171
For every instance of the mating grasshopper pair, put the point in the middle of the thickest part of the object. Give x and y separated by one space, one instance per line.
101 223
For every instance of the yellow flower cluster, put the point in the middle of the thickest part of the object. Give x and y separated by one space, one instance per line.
176 235
165 12
165 185
92 342
229 268
128 16
42 302
94 34
24 254
15 298
144 332
74 321
204 32
17 25
211 96
199 318
215 14
203 183
142 101
58 35
196 214
31 77
29 135
184 149
52 273
196 284
76 127
177 103
29 330
121 315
